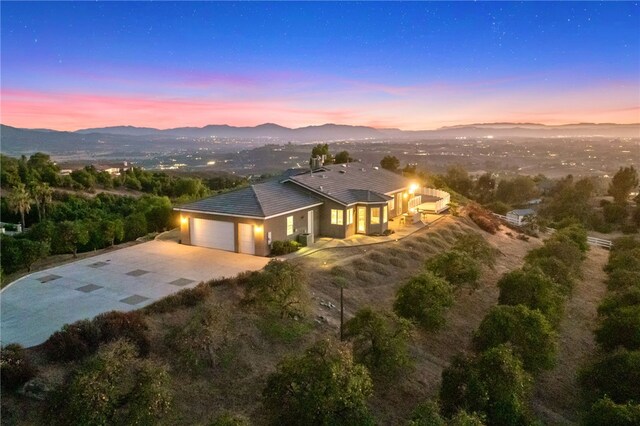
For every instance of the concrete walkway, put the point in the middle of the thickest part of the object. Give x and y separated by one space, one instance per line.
36 305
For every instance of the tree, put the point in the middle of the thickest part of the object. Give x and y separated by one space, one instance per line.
322 387
560 247
531 288
484 188
477 247
112 231
343 157
615 375
20 201
457 267
116 387
390 162
457 178
426 414
605 412
280 288
493 383
320 150
135 226
620 327
380 341
527 332
624 181
424 299
32 251
69 236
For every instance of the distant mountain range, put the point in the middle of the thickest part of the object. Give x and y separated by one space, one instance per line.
146 139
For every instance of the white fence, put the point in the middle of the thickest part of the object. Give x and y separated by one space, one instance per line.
594 241
443 203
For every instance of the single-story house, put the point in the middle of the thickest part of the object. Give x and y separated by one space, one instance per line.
520 216
336 201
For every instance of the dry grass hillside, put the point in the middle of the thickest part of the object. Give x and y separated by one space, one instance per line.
220 352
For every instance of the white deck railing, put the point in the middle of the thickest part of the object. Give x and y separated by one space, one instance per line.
443 203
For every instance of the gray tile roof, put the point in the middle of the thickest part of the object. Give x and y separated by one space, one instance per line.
522 212
260 200
352 184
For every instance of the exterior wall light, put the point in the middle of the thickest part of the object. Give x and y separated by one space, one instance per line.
184 220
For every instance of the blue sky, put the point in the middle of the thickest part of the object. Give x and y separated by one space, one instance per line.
408 65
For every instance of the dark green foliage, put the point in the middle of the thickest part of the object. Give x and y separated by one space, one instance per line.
424 299
343 157
82 338
185 298
494 384
457 267
230 420
615 375
517 190
280 288
15 367
278 248
527 332
624 181
69 236
615 301
615 213
621 260
498 207
322 149
605 412
477 247
576 233
620 327
322 387
390 162
621 279
426 414
533 289
20 253
135 226
560 247
462 418
457 178
115 387
555 269
380 341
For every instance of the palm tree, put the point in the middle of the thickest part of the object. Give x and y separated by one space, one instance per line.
42 195
20 201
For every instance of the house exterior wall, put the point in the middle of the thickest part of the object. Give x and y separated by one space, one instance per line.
259 236
278 225
326 228
400 200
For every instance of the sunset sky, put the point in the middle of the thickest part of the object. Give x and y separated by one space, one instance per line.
67 66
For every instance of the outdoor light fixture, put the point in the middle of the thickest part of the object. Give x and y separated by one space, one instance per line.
413 188
184 220
258 228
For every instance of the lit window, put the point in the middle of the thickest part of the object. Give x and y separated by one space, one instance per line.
392 204
336 216
289 225
349 216
384 214
375 216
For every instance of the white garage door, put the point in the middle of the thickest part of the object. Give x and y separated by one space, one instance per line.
245 238
213 234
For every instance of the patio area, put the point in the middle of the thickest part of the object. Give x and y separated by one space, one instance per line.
401 230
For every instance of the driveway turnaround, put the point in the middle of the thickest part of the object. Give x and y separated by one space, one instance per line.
35 306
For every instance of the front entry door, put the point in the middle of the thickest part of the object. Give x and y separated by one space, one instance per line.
362 220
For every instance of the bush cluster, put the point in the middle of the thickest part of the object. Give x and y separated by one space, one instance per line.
82 338
610 384
15 367
483 218
279 248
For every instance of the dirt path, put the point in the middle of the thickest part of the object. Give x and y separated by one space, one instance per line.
556 394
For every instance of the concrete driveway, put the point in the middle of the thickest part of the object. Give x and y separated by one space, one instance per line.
35 306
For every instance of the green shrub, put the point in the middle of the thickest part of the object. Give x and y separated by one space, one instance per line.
620 327
605 412
498 207
494 384
424 299
555 269
426 414
628 260
185 298
457 267
531 288
477 247
561 247
622 279
615 375
380 341
115 387
615 213
285 330
230 420
622 299
279 248
15 367
322 387
281 287
527 332
576 233
462 418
